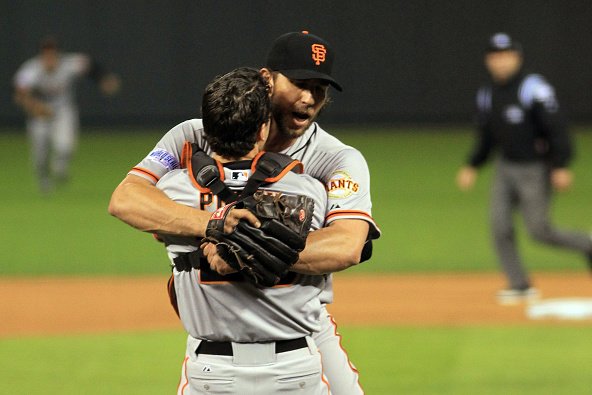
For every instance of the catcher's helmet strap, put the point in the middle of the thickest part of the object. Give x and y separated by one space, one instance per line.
269 167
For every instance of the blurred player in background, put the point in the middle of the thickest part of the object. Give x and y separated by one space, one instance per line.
45 90
519 115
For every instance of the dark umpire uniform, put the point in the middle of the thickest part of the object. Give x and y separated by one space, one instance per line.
520 119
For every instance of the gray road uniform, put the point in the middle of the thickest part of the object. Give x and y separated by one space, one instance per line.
53 138
252 323
521 120
343 171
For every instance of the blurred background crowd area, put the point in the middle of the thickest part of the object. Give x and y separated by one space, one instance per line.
399 61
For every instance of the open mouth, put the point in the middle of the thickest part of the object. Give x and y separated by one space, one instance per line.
300 118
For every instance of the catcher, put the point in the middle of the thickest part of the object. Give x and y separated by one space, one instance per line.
249 321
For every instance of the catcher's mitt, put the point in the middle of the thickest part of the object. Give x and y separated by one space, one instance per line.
263 255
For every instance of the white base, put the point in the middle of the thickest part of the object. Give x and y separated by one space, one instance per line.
561 308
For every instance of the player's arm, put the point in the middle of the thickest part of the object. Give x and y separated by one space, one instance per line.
108 82
330 249
24 83
140 204
348 222
31 105
558 147
333 248
483 146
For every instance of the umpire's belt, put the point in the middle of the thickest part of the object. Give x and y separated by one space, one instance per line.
225 348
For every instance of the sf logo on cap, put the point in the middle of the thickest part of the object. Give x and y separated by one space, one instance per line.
318 53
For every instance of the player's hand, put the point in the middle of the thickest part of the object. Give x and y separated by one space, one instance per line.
232 219
37 108
216 263
466 177
235 215
31 105
561 179
41 110
110 84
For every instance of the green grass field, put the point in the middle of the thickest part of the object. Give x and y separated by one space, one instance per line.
396 360
428 226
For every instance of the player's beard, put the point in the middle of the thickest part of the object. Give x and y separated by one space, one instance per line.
284 119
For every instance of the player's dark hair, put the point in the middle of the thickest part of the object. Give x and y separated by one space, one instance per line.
234 106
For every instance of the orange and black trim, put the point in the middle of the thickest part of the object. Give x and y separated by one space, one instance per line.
184 379
173 294
348 213
186 154
373 233
147 173
296 166
350 364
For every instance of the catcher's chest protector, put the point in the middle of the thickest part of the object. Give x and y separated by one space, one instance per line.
266 168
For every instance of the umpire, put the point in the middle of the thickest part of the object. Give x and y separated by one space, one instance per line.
518 115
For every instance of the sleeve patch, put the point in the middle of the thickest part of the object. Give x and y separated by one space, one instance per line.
164 158
341 185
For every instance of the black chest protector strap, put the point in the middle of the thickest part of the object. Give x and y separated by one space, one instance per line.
267 167
206 173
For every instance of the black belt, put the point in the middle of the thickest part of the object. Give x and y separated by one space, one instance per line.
225 348
188 260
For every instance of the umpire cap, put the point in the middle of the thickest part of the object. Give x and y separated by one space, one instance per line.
302 56
503 42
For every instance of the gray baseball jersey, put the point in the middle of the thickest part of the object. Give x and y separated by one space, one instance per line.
287 311
341 168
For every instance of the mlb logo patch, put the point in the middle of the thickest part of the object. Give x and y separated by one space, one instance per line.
239 175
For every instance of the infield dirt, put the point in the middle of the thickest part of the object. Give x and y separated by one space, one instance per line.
110 304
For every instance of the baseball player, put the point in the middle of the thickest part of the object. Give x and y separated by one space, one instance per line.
44 89
519 115
298 69
243 339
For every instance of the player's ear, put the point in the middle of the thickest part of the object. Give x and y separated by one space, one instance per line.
268 75
263 133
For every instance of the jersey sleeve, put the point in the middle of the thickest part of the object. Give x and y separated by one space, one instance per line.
315 189
539 96
166 155
77 63
484 143
26 76
348 190
177 185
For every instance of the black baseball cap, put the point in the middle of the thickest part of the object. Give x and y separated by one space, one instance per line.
503 42
302 56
